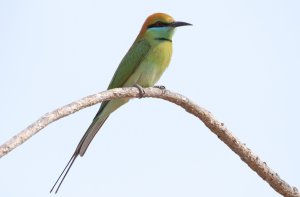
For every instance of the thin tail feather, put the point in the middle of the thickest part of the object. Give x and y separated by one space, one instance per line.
80 150
64 173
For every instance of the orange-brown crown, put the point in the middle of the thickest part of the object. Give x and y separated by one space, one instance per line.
154 18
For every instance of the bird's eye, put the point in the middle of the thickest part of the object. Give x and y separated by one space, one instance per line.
158 24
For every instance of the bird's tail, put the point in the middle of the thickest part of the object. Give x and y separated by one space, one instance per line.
80 149
105 110
89 135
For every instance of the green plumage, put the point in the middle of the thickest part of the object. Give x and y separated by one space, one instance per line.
144 63
121 78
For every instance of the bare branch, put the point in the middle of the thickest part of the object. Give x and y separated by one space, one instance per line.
218 128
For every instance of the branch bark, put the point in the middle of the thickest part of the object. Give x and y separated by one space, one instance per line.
218 128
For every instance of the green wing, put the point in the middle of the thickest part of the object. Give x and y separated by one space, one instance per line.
128 65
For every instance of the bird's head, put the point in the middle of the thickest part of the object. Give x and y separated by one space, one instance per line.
160 26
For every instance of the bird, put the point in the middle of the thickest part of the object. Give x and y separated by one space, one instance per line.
142 66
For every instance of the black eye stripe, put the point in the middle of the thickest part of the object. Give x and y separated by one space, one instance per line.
158 24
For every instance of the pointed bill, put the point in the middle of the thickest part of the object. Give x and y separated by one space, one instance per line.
179 23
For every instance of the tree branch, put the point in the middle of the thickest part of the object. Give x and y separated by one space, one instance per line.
218 128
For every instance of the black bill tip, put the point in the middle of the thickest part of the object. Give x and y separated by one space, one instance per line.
179 24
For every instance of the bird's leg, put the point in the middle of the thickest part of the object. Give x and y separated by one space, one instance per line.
141 90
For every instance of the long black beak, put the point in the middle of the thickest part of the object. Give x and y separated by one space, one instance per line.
178 24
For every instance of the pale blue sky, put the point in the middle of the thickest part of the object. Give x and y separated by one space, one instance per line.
240 60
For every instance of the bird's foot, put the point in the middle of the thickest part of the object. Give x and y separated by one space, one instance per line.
160 87
141 90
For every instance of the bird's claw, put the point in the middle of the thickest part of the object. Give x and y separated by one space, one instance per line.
160 87
141 90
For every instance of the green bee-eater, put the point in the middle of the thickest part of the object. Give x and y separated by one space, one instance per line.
143 65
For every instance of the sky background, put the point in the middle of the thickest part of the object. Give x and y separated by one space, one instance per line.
240 60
